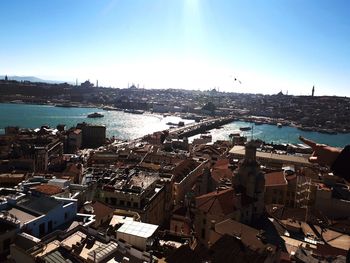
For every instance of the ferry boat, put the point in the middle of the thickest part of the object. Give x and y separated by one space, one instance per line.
180 124
66 105
95 115
247 128
133 111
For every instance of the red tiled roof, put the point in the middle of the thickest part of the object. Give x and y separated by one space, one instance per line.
221 164
217 174
275 178
217 202
203 148
221 170
48 189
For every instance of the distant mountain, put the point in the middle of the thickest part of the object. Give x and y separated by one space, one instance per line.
31 79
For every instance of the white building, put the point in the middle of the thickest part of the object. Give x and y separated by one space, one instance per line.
137 234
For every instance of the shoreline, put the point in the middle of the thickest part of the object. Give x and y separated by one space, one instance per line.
257 120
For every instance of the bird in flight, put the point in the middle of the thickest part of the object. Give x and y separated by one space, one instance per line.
235 79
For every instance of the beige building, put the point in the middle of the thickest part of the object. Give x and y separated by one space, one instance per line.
273 159
276 187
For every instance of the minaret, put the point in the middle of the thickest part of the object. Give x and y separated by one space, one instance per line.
313 91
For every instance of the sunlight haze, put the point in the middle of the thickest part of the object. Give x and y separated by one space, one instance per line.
270 46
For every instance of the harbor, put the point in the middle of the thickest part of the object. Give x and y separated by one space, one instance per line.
127 126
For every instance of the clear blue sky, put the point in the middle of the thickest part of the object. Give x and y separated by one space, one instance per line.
270 45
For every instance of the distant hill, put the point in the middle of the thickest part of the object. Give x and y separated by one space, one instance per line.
31 79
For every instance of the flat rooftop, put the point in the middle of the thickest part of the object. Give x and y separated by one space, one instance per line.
22 216
283 158
38 205
138 229
117 219
138 181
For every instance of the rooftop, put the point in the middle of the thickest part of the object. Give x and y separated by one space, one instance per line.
22 216
275 179
336 239
217 202
59 255
38 205
249 236
285 158
138 229
48 189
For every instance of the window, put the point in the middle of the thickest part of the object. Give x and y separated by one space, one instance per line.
136 204
122 202
128 203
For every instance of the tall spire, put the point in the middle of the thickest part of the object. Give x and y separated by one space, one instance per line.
313 91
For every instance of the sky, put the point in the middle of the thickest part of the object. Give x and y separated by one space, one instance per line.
269 45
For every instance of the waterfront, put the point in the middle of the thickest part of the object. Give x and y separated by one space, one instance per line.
119 124
271 133
130 126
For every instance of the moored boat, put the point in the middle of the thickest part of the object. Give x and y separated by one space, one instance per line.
95 115
247 128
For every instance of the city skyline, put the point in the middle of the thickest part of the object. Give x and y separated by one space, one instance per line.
268 46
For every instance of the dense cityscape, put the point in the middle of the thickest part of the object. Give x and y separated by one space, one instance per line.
72 193
184 131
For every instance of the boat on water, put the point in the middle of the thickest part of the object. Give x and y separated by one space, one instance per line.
247 128
133 111
180 124
95 115
279 125
66 105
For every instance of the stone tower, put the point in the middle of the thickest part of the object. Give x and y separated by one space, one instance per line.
249 182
